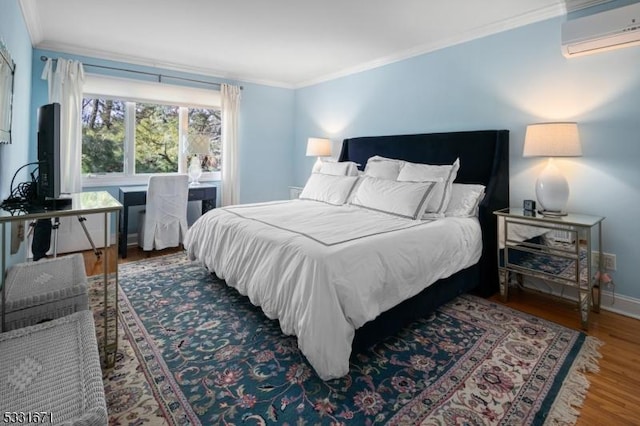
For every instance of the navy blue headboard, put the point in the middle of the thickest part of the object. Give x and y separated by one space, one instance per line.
484 159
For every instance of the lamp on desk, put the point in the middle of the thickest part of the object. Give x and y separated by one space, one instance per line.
552 140
196 144
318 147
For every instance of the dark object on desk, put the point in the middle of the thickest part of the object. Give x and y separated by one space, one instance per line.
529 205
529 213
41 238
57 203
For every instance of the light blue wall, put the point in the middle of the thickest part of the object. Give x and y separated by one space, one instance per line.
14 33
507 80
266 136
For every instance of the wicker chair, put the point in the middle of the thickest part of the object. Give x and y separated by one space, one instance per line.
44 290
53 368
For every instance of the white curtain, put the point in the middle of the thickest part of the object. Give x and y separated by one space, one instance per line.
230 108
65 88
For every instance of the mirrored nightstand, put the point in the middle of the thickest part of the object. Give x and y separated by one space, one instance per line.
572 240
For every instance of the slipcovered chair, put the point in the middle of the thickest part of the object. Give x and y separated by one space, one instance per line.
163 223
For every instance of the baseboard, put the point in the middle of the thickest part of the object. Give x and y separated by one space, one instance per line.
132 240
609 301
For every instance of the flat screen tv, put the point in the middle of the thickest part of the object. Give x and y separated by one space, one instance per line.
48 186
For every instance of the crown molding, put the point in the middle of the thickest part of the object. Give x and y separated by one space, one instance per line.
66 49
486 30
32 20
574 5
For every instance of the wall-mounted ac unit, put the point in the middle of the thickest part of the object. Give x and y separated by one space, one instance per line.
607 30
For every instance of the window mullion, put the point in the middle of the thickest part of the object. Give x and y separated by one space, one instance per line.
130 139
183 132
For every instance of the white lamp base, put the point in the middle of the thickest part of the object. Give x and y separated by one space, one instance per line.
195 170
317 166
552 190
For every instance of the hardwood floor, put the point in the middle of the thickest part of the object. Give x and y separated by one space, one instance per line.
614 394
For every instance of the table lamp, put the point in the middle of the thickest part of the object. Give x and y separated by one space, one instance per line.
552 140
196 144
318 147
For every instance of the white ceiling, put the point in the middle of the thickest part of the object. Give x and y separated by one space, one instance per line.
289 43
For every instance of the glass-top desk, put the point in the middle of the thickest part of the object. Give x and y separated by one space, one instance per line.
82 204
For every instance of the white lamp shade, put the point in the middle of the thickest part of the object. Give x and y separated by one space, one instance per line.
197 143
318 147
552 140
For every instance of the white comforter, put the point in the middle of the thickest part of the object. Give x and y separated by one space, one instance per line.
324 270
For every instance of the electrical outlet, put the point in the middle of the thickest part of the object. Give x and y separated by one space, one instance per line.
608 260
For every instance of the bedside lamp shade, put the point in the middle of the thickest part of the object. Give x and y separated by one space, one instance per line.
552 140
318 147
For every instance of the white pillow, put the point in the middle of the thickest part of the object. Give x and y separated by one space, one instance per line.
443 176
328 188
383 168
341 168
405 199
465 199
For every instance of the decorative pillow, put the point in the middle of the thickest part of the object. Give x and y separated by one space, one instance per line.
341 168
383 168
405 199
443 176
328 188
465 199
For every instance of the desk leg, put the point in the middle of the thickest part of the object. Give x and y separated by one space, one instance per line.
110 311
124 229
208 205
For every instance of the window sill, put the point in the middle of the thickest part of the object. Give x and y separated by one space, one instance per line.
93 181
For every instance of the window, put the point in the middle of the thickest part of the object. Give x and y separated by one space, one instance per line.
103 136
129 137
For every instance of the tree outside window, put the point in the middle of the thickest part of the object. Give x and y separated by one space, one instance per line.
103 135
140 138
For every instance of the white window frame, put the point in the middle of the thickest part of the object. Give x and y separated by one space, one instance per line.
129 91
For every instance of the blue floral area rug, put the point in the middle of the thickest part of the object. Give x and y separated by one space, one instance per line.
212 358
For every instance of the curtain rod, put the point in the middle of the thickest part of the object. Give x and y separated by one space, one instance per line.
159 76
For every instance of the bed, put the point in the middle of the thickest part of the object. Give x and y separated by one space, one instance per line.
340 277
